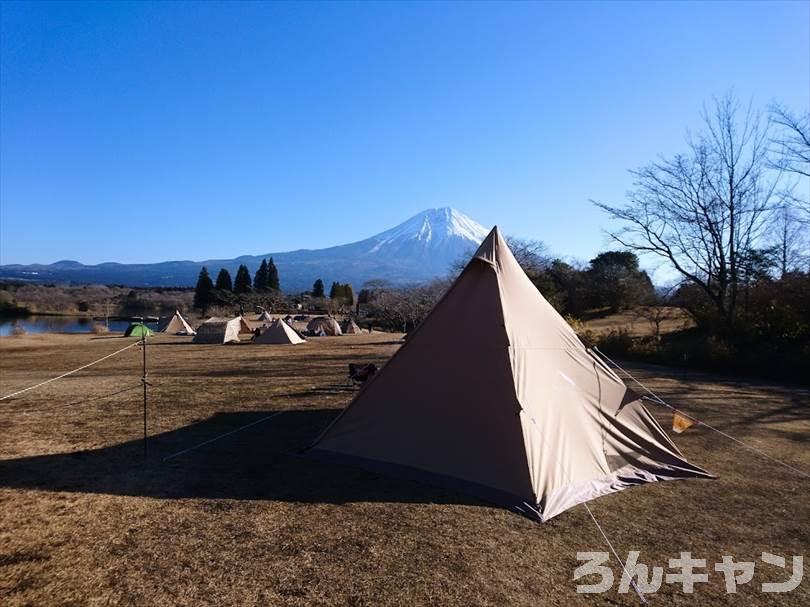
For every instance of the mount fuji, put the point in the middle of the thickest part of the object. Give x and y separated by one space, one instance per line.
417 250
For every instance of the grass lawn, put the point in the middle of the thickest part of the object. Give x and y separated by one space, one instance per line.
85 519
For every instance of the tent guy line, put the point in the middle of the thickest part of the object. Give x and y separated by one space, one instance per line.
81 402
47 381
216 438
659 401
616 555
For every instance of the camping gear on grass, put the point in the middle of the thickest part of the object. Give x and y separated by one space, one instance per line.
360 374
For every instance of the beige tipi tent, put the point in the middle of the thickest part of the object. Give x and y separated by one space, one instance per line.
244 325
516 410
218 331
324 325
350 327
265 317
175 325
278 333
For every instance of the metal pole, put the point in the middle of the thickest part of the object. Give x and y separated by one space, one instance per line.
143 380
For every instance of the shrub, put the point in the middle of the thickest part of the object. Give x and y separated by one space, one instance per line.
617 342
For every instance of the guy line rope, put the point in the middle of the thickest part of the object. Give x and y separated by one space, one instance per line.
654 398
47 381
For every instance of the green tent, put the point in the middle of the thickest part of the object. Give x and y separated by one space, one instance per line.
138 329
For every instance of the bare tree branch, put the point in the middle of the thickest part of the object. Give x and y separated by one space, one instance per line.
705 210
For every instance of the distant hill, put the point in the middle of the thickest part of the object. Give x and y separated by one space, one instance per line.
421 248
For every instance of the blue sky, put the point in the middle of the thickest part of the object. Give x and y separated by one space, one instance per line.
146 132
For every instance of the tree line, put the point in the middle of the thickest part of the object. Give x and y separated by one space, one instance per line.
611 282
226 291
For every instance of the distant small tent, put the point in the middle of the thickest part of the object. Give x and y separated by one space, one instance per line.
244 326
265 317
278 333
350 327
175 325
218 331
138 329
324 325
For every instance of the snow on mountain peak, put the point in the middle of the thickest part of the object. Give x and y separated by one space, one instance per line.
433 227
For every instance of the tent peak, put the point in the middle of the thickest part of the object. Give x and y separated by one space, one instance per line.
492 247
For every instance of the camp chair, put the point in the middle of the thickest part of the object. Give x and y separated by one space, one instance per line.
360 374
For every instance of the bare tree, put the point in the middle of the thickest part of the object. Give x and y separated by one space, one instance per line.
789 240
405 308
532 255
703 211
791 140
659 310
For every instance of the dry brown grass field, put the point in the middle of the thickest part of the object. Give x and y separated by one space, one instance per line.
636 323
85 519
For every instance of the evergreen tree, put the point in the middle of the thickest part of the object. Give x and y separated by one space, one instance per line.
202 292
333 292
242 283
317 288
260 280
224 282
273 282
348 294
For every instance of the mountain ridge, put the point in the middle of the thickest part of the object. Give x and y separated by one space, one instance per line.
419 249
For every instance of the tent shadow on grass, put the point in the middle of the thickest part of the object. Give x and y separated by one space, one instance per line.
258 463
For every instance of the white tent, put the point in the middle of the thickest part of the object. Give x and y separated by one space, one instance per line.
495 395
265 317
218 331
278 333
175 325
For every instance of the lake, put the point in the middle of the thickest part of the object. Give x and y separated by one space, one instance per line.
61 324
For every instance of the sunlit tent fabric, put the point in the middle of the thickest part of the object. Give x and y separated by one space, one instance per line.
175 325
138 329
325 325
278 333
218 331
495 395
350 327
265 317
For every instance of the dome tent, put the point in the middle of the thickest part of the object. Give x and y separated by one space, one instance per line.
324 325
138 329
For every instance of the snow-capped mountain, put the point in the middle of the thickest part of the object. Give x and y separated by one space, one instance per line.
421 248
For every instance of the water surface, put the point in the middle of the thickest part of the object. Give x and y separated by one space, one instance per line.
61 324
